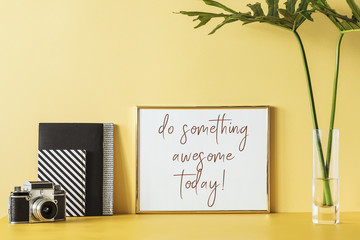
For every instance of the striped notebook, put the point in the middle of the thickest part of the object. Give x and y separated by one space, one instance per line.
66 167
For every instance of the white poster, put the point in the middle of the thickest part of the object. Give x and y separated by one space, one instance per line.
203 159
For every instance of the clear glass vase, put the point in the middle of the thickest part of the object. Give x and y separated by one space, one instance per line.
325 185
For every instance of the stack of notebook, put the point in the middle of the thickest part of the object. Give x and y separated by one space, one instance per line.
79 157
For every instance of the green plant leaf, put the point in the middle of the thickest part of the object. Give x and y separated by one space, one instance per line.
226 21
194 13
296 19
354 8
273 6
342 22
289 19
203 17
203 20
219 5
290 6
302 6
288 16
307 15
256 8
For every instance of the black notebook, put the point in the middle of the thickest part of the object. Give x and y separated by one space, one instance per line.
97 140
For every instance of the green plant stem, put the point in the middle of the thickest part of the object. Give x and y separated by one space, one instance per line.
311 95
327 192
333 105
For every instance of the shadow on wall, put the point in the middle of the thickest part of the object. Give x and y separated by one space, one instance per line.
273 173
121 184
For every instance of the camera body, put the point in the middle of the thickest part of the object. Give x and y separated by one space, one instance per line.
39 201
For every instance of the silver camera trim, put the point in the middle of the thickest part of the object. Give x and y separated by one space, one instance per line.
37 205
40 194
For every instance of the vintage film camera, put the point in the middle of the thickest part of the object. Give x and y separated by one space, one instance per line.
39 201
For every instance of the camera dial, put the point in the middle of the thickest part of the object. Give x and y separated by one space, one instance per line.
44 209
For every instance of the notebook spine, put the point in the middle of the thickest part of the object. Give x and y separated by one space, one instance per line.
108 172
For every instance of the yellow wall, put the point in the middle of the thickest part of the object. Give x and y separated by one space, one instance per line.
94 61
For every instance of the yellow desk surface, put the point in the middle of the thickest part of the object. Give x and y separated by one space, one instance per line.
187 226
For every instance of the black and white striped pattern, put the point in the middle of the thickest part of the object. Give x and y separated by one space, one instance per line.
66 168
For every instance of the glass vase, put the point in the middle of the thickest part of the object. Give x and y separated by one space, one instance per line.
325 185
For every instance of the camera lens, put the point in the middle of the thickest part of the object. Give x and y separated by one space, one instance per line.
44 209
48 210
